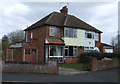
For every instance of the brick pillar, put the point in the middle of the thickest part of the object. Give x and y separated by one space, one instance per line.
93 62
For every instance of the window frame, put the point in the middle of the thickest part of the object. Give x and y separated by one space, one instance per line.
68 51
53 31
71 32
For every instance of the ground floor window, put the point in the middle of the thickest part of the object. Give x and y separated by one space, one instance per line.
34 51
56 50
70 50
89 49
27 51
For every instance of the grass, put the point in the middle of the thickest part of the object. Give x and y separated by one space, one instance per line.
78 66
118 73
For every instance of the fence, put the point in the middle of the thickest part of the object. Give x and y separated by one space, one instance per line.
50 67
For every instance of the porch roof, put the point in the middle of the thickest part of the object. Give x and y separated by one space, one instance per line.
54 41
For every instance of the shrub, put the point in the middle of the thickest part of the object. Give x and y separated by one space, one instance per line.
85 57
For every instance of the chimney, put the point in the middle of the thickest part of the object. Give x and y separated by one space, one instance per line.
64 10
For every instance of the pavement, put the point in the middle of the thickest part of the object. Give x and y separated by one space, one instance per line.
108 75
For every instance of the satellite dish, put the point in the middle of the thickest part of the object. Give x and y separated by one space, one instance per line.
96 49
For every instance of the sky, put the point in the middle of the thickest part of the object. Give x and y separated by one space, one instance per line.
19 15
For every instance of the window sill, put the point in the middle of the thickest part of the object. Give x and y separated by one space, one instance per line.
72 56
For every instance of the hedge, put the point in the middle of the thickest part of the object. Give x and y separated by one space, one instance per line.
86 55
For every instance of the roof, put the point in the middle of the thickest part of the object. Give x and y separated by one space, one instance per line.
54 41
59 19
16 45
104 44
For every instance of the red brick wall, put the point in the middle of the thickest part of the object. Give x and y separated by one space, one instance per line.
37 41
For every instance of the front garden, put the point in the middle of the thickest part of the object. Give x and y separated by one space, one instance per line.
78 66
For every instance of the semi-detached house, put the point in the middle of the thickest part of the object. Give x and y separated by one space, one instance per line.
58 35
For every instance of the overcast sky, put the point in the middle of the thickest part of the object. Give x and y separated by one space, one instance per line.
101 15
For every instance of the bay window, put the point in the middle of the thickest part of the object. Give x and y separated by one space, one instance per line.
56 50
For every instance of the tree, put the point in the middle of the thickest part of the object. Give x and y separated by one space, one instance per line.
115 41
16 36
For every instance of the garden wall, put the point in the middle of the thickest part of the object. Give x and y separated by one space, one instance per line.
104 64
50 67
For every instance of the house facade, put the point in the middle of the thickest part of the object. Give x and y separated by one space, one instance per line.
58 35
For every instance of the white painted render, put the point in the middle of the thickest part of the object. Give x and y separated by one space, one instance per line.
109 50
80 40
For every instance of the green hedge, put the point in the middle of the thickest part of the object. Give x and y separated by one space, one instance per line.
86 55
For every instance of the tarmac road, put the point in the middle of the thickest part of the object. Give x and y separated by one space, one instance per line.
109 75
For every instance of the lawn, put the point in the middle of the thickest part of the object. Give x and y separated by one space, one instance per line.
118 73
78 66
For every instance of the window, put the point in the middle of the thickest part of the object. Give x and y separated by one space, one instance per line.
31 35
96 36
53 31
66 51
89 35
75 33
70 32
56 50
26 35
89 49
34 51
66 32
70 51
27 51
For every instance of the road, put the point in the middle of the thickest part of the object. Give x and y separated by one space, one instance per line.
109 75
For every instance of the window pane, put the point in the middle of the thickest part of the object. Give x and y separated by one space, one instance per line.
66 32
70 50
89 35
52 51
75 51
33 51
53 31
70 32
75 33
66 52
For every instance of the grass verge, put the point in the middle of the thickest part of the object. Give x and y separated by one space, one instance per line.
78 66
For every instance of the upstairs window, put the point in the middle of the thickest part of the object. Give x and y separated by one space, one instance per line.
89 35
70 32
31 35
53 31
96 36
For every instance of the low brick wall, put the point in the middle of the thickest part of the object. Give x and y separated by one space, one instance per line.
104 64
50 67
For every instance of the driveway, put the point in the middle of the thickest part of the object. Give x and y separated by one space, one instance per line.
109 75
68 71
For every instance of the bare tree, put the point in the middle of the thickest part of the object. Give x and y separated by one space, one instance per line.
16 36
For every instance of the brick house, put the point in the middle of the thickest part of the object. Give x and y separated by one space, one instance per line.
58 35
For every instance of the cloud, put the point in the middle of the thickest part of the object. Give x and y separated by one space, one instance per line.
17 15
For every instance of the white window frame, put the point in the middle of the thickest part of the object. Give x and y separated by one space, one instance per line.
96 36
52 31
89 32
73 51
26 35
31 35
69 34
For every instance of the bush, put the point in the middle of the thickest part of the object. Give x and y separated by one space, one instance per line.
85 57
